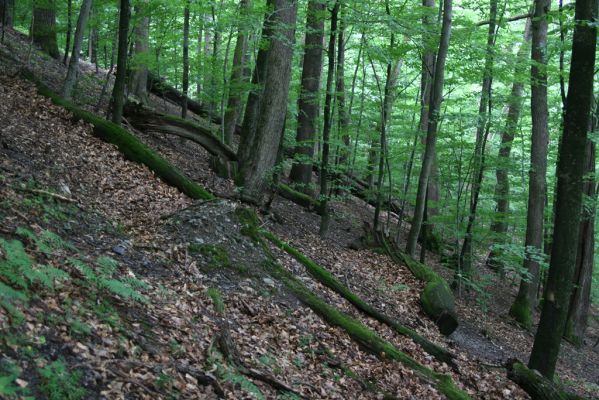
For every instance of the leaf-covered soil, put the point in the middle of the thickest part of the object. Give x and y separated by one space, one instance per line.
179 260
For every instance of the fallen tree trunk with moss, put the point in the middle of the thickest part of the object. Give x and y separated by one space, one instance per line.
131 147
361 334
148 120
536 385
297 197
437 298
160 88
327 279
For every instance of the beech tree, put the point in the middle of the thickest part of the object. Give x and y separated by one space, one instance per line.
118 92
43 27
568 201
72 71
267 103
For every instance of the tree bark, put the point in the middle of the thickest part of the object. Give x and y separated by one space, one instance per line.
326 131
341 107
526 299
73 70
431 136
67 46
568 203
580 302
139 77
7 10
118 91
482 133
267 104
308 103
185 59
44 27
239 77
499 226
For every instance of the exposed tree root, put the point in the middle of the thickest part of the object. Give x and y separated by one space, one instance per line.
437 298
327 279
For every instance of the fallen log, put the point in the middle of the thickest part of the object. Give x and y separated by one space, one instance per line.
436 298
145 119
327 279
364 336
536 385
297 197
132 148
160 88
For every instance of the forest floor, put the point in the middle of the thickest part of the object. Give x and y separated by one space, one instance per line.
136 313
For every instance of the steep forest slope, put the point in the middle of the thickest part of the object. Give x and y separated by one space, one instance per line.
114 285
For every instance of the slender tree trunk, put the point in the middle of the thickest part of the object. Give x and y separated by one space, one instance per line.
185 59
499 226
118 91
341 106
238 78
583 274
526 299
308 102
431 136
326 131
267 102
7 10
73 70
214 65
139 77
482 132
67 46
44 27
568 203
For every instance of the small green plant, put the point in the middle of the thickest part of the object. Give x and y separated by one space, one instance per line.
58 383
9 372
217 256
217 300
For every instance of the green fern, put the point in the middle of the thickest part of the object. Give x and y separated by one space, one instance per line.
85 270
122 289
17 264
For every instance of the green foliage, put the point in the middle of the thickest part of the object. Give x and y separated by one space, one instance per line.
9 372
217 300
58 383
217 256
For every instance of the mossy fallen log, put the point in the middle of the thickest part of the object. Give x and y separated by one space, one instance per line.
327 279
131 147
145 119
367 338
361 334
536 385
297 197
436 298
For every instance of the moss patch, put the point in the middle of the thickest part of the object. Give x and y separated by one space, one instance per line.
217 256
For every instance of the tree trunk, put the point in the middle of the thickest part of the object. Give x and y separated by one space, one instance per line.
44 27
499 226
526 299
118 91
326 131
341 107
583 274
67 46
7 11
238 79
185 59
308 103
267 103
482 133
568 203
139 77
431 136
72 72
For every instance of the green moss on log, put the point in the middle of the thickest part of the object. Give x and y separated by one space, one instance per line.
131 147
297 197
437 298
536 385
361 334
327 279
